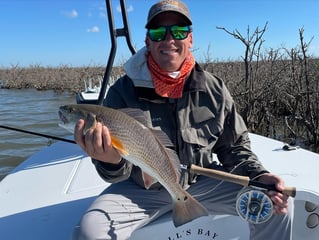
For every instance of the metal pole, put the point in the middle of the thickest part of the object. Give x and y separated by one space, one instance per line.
114 33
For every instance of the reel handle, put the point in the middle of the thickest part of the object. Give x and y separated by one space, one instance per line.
289 191
241 180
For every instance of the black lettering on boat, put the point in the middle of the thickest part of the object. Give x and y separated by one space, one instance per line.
198 233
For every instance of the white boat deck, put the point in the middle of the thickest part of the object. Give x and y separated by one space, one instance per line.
45 196
47 193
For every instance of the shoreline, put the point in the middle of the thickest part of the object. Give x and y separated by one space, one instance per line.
61 78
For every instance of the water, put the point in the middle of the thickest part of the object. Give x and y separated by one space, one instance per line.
30 110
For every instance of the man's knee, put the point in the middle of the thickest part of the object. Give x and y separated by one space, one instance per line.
93 225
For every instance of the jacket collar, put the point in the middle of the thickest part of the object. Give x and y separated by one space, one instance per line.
137 70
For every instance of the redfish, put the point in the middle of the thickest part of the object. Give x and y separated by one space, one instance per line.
135 140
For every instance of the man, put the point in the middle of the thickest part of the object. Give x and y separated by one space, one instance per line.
196 111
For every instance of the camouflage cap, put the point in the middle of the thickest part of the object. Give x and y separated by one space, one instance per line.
168 6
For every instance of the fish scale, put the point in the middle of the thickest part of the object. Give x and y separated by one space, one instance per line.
141 137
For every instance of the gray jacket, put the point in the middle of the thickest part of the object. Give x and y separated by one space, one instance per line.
202 122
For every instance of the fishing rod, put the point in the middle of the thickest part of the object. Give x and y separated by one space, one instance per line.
37 134
241 180
221 175
217 174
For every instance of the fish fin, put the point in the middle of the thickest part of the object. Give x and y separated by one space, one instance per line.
138 115
175 161
141 117
172 155
186 209
116 143
148 180
162 137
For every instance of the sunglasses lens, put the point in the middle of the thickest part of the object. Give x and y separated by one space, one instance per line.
157 34
180 33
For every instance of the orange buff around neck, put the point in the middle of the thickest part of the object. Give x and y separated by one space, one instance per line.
165 85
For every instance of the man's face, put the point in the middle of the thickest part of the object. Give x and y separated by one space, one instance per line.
169 54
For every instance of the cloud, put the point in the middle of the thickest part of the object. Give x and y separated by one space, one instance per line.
97 10
128 9
102 15
93 29
70 14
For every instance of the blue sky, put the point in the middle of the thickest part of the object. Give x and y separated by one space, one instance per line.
75 32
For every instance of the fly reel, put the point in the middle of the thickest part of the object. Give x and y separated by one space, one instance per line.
254 206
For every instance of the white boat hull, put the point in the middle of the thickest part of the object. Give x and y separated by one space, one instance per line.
45 196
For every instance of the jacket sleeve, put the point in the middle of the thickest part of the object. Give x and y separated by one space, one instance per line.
113 173
233 146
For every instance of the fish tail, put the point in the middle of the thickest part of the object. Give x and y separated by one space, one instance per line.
186 209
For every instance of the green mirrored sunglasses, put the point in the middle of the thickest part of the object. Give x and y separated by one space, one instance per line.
177 32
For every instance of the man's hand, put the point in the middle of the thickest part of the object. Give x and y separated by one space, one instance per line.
97 142
280 201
